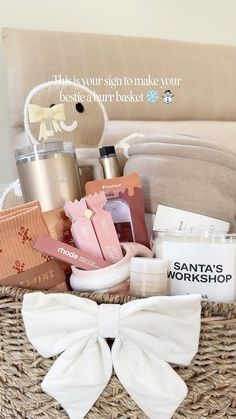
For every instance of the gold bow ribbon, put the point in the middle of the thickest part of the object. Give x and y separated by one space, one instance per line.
47 115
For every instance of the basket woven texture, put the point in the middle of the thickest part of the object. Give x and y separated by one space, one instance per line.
211 377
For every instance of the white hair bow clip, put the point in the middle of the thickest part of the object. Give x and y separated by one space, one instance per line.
148 333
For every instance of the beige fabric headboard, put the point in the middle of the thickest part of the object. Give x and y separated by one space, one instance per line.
206 92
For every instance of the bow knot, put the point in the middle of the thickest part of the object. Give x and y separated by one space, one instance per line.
148 334
49 113
48 118
109 320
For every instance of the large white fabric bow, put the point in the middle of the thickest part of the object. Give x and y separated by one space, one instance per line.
148 334
47 116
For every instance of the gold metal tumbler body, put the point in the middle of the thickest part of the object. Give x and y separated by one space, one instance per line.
48 173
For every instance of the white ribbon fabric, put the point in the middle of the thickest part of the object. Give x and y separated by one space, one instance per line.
148 334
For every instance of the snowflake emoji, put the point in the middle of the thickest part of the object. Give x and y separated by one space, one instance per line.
152 96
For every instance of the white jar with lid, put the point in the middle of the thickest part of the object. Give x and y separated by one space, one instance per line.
199 263
148 277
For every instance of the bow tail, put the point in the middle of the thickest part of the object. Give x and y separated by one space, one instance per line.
56 126
151 382
79 375
43 131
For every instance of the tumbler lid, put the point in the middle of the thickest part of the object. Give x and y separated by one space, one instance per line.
43 150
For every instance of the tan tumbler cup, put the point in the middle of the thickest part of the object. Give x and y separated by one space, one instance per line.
48 174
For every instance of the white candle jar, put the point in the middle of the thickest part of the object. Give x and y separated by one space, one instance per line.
202 263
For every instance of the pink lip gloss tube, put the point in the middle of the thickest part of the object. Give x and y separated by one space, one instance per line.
104 228
82 228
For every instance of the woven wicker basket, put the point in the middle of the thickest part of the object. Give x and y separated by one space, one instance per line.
211 377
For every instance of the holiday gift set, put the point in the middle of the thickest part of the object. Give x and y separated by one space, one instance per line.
83 227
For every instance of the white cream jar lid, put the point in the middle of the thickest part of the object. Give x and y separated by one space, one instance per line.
148 265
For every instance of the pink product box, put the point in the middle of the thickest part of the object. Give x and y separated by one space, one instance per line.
68 254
